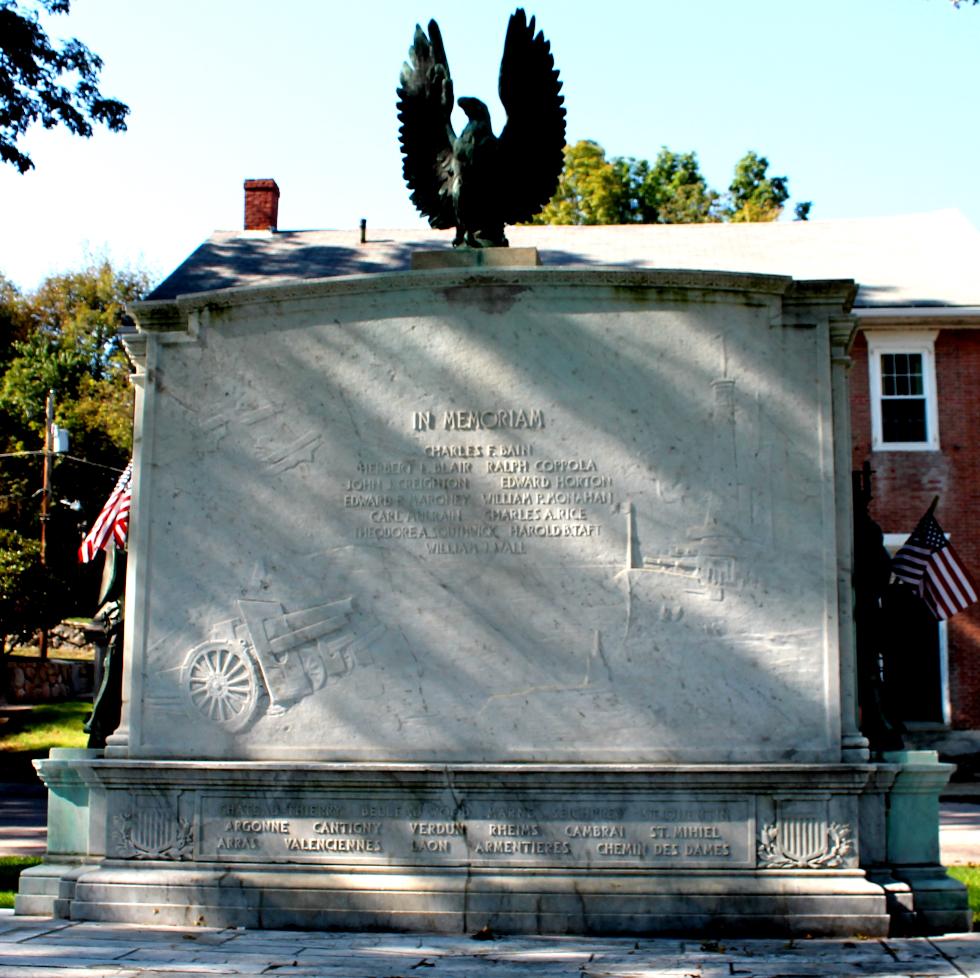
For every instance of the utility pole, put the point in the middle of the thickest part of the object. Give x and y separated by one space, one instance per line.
45 504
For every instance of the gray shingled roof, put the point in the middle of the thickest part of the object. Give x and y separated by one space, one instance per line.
918 260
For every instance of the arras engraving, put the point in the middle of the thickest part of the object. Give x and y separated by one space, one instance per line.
556 831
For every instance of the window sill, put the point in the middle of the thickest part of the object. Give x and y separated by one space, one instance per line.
904 446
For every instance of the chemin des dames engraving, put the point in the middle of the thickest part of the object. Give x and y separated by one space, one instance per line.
634 833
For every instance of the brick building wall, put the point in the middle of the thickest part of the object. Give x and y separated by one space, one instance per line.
905 482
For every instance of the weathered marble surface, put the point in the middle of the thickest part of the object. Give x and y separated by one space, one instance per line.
504 597
495 515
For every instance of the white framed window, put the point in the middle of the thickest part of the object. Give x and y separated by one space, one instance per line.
921 679
904 412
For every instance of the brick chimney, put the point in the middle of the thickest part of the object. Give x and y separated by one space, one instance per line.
261 205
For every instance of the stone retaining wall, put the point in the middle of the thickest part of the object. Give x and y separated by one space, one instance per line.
46 680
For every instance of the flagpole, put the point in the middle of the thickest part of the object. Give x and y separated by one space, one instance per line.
45 503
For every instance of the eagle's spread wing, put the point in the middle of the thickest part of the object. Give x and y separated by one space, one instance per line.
533 141
425 101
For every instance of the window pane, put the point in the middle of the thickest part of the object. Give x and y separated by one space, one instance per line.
901 375
903 419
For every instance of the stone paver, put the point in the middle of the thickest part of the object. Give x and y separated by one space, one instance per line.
34 947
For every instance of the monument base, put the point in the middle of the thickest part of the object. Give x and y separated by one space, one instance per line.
533 848
463 900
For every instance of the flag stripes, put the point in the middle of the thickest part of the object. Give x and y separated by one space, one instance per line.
929 564
112 522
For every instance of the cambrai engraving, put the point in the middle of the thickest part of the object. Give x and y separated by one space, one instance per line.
352 830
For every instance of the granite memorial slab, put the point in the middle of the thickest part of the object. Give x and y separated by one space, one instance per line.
508 597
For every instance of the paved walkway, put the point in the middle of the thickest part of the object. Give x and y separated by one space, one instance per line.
32 947
959 832
23 819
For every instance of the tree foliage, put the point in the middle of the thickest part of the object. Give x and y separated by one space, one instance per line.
63 337
753 194
671 190
35 75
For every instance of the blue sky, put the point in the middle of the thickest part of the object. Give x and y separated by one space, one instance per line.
868 106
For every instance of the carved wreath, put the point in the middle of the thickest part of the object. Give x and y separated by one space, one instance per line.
131 846
839 846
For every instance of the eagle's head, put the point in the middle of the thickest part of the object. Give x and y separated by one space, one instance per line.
476 111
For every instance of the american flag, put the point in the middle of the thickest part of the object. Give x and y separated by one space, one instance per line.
112 522
929 563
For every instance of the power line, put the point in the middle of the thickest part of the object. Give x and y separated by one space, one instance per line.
85 461
74 458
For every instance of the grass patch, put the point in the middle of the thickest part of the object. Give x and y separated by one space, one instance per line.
84 654
970 875
47 725
10 869
29 735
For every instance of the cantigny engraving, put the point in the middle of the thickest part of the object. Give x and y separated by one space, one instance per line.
267 659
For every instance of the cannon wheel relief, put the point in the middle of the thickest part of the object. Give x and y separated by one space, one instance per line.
219 680
267 659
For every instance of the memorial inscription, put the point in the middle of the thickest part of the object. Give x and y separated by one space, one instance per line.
477 498
669 833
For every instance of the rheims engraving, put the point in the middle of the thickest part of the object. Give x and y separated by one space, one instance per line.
563 833
267 650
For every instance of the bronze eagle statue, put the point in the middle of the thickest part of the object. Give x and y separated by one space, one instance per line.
477 182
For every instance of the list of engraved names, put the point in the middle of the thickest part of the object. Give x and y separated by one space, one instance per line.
496 494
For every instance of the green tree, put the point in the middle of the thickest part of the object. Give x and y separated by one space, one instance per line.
14 324
68 342
753 194
33 73
672 190
591 190
24 588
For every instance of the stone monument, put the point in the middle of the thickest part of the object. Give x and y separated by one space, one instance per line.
499 596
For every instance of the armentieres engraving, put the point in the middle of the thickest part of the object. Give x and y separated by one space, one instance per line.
493 496
633 834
